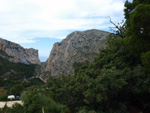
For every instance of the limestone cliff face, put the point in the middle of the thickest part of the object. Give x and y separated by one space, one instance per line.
77 47
16 53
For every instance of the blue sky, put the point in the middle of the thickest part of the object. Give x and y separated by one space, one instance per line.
44 45
41 23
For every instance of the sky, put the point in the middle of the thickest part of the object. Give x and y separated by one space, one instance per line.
40 23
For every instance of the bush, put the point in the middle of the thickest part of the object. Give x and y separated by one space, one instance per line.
34 102
145 58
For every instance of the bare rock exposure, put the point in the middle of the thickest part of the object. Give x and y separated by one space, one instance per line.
16 53
77 47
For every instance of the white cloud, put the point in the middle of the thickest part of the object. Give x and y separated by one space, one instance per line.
50 16
22 21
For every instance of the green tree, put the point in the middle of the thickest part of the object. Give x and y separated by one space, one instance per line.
3 95
145 61
16 108
130 7
35 101
17 89
112 83
137 16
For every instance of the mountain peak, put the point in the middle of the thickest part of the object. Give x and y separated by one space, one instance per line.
78 46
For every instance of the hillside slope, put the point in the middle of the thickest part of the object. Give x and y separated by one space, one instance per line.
12 74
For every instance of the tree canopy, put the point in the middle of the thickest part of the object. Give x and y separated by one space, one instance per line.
137 16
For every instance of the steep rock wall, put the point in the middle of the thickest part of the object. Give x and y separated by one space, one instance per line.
77 47
16 53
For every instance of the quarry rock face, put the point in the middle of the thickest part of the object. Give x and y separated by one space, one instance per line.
77 47
16 53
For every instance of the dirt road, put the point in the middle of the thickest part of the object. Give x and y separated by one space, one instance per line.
9 103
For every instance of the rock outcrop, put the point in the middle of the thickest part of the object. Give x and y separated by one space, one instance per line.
16 53
77 47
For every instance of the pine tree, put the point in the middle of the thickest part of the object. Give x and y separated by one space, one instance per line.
137 15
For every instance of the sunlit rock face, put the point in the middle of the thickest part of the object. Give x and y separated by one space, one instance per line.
76 47
16 53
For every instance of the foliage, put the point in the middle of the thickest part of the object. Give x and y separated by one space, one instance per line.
3 95
17 89
145 61
32 82
34 101
23 69
16 108
112 83
13 75
119 29
139 21
137 16
130 7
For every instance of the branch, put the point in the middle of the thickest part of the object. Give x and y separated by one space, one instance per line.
121 32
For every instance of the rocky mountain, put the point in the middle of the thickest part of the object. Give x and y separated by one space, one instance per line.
16 53
76 47
17 65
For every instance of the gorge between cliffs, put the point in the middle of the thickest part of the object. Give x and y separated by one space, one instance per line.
77 47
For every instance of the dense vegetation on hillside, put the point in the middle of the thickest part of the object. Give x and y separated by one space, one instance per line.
14 77
113 83
117 81
23 69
